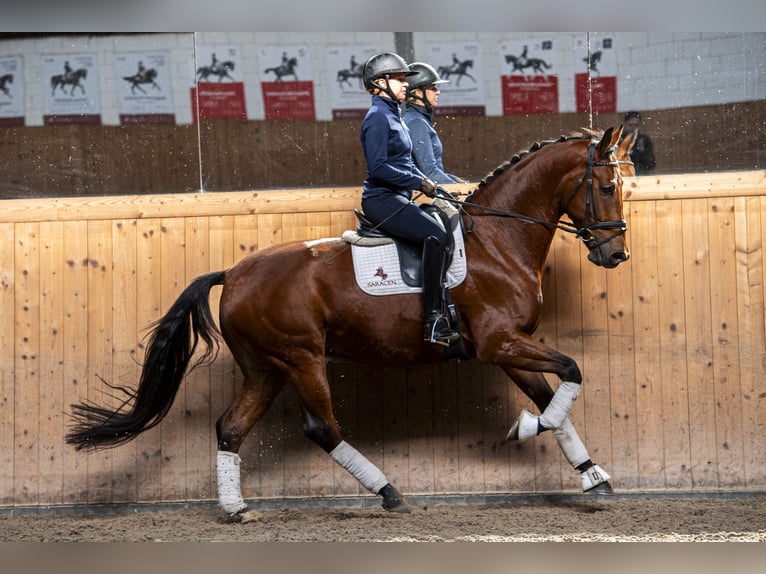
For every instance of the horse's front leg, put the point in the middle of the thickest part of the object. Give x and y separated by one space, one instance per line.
594 478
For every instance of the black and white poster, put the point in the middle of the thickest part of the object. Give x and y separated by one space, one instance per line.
71 89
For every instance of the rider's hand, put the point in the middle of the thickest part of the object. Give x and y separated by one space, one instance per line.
428 187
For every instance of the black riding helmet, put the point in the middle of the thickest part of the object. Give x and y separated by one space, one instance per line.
382 65
425 75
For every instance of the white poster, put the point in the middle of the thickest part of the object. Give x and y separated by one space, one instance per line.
348 98
71 86
285 63
603 60
532 57
461 64
143 83
12 89
218 64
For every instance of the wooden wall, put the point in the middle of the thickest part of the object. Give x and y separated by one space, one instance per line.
671 345
75 161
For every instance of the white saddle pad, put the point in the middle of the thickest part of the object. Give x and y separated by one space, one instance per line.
378 272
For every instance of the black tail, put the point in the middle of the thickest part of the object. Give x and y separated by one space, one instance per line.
167 358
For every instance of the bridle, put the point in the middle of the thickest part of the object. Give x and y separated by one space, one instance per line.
590 222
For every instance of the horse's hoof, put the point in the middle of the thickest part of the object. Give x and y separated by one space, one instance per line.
526 426
393 501
601 489
250 516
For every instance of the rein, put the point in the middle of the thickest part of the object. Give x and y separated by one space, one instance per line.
585 232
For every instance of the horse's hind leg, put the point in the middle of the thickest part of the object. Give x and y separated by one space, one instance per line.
257 395
594 478
320 426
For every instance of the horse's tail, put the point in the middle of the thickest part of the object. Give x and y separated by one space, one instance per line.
167 357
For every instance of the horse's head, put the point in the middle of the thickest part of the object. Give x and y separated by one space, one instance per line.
595 202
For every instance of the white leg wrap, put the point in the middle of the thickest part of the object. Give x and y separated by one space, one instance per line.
361 469
573 448
558 409
229 492
594 476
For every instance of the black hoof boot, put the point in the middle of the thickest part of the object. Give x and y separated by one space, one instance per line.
393 501
602 489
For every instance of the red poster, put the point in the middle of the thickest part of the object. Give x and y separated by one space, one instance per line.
219 101
530 95
292 100
604 93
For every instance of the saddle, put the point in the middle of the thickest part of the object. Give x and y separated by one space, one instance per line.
410 254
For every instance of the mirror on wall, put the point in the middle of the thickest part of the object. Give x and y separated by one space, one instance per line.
115 113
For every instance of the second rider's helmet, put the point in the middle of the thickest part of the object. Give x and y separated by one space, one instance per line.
425 75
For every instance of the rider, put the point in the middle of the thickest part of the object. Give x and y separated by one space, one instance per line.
422 97
391 177
67 70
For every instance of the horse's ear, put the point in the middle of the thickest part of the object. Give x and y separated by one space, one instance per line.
627 144
609 141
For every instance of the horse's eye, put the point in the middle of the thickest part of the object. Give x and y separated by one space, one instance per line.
608 190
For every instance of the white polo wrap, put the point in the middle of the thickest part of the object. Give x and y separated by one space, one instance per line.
573 448
229 491
558 409
362 469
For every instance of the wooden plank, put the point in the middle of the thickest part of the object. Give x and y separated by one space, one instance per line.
673 369
327 478
395 438
75 334
621 379
445 429
52 397
125 370
470 393
420 421
646 340
725 356
196 388
670 186
750 288
149 267
173 282
699 348
7 364
497 463
370 429
27 410
99 354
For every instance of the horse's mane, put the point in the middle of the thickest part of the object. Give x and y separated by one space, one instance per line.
585 133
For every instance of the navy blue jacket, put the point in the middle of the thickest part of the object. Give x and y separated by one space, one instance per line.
427 148
388 151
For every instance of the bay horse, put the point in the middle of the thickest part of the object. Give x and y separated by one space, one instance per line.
288 328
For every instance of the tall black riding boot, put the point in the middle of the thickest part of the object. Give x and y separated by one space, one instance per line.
437 328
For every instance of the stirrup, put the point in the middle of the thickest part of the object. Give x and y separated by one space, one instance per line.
437 330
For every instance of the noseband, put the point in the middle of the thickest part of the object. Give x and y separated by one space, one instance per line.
585 232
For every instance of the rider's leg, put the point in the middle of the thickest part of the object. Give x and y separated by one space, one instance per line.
436 328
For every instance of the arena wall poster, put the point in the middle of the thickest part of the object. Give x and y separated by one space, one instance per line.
219 89
603 75
287 83
71 89
348 98
461 64
529 77
12 103
143 88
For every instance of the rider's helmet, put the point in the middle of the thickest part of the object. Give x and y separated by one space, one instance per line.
425 75
381 65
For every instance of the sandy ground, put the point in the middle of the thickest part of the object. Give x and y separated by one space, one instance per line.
638 520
